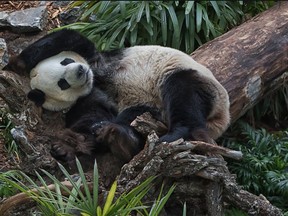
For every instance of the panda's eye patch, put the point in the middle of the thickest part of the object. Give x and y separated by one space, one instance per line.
63 84
67 61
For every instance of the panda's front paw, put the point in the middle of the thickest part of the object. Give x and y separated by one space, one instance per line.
121 140
102 130
70 144
62 152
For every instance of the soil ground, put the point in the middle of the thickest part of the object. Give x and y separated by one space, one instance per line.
16 42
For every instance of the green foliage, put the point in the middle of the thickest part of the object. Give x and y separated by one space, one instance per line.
274 105
6 189
263 169
234 212
182 25
64 200
5 128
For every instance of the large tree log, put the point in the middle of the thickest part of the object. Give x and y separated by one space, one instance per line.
250 61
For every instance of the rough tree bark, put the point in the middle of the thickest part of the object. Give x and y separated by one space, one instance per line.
250 61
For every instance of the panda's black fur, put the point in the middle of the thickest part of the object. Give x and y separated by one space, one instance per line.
187 96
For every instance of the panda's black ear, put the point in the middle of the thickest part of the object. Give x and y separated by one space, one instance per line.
37 96
17 65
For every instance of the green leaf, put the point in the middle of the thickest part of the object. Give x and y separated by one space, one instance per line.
176 28
160 202
99 211
148 28
215 7
103 6
199 10
189 7
184 209
147 11
110 198
95 184
123 8
89 11
140 11
133 36
115 35
164 26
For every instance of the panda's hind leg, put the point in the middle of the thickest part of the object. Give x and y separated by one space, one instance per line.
187 104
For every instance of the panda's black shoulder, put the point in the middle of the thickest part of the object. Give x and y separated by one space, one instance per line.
108 59
96 106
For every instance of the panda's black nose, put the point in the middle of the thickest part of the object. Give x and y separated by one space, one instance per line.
80 71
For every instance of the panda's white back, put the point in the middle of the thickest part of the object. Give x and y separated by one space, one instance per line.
142 70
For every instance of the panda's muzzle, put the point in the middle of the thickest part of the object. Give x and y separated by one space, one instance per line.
81 71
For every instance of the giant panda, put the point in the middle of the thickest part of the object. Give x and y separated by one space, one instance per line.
105 91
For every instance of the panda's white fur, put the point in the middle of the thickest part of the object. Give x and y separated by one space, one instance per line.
144 68
49 71
136 78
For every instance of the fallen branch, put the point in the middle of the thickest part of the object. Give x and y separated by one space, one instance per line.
25 198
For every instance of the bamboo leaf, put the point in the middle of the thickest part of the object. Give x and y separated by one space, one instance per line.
140 11
124 36
189 7
115 35
164 26
176 28
89 11
216 8
199 10
103 6
133 37
147 11
122 8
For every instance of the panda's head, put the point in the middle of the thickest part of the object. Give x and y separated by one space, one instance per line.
57 82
